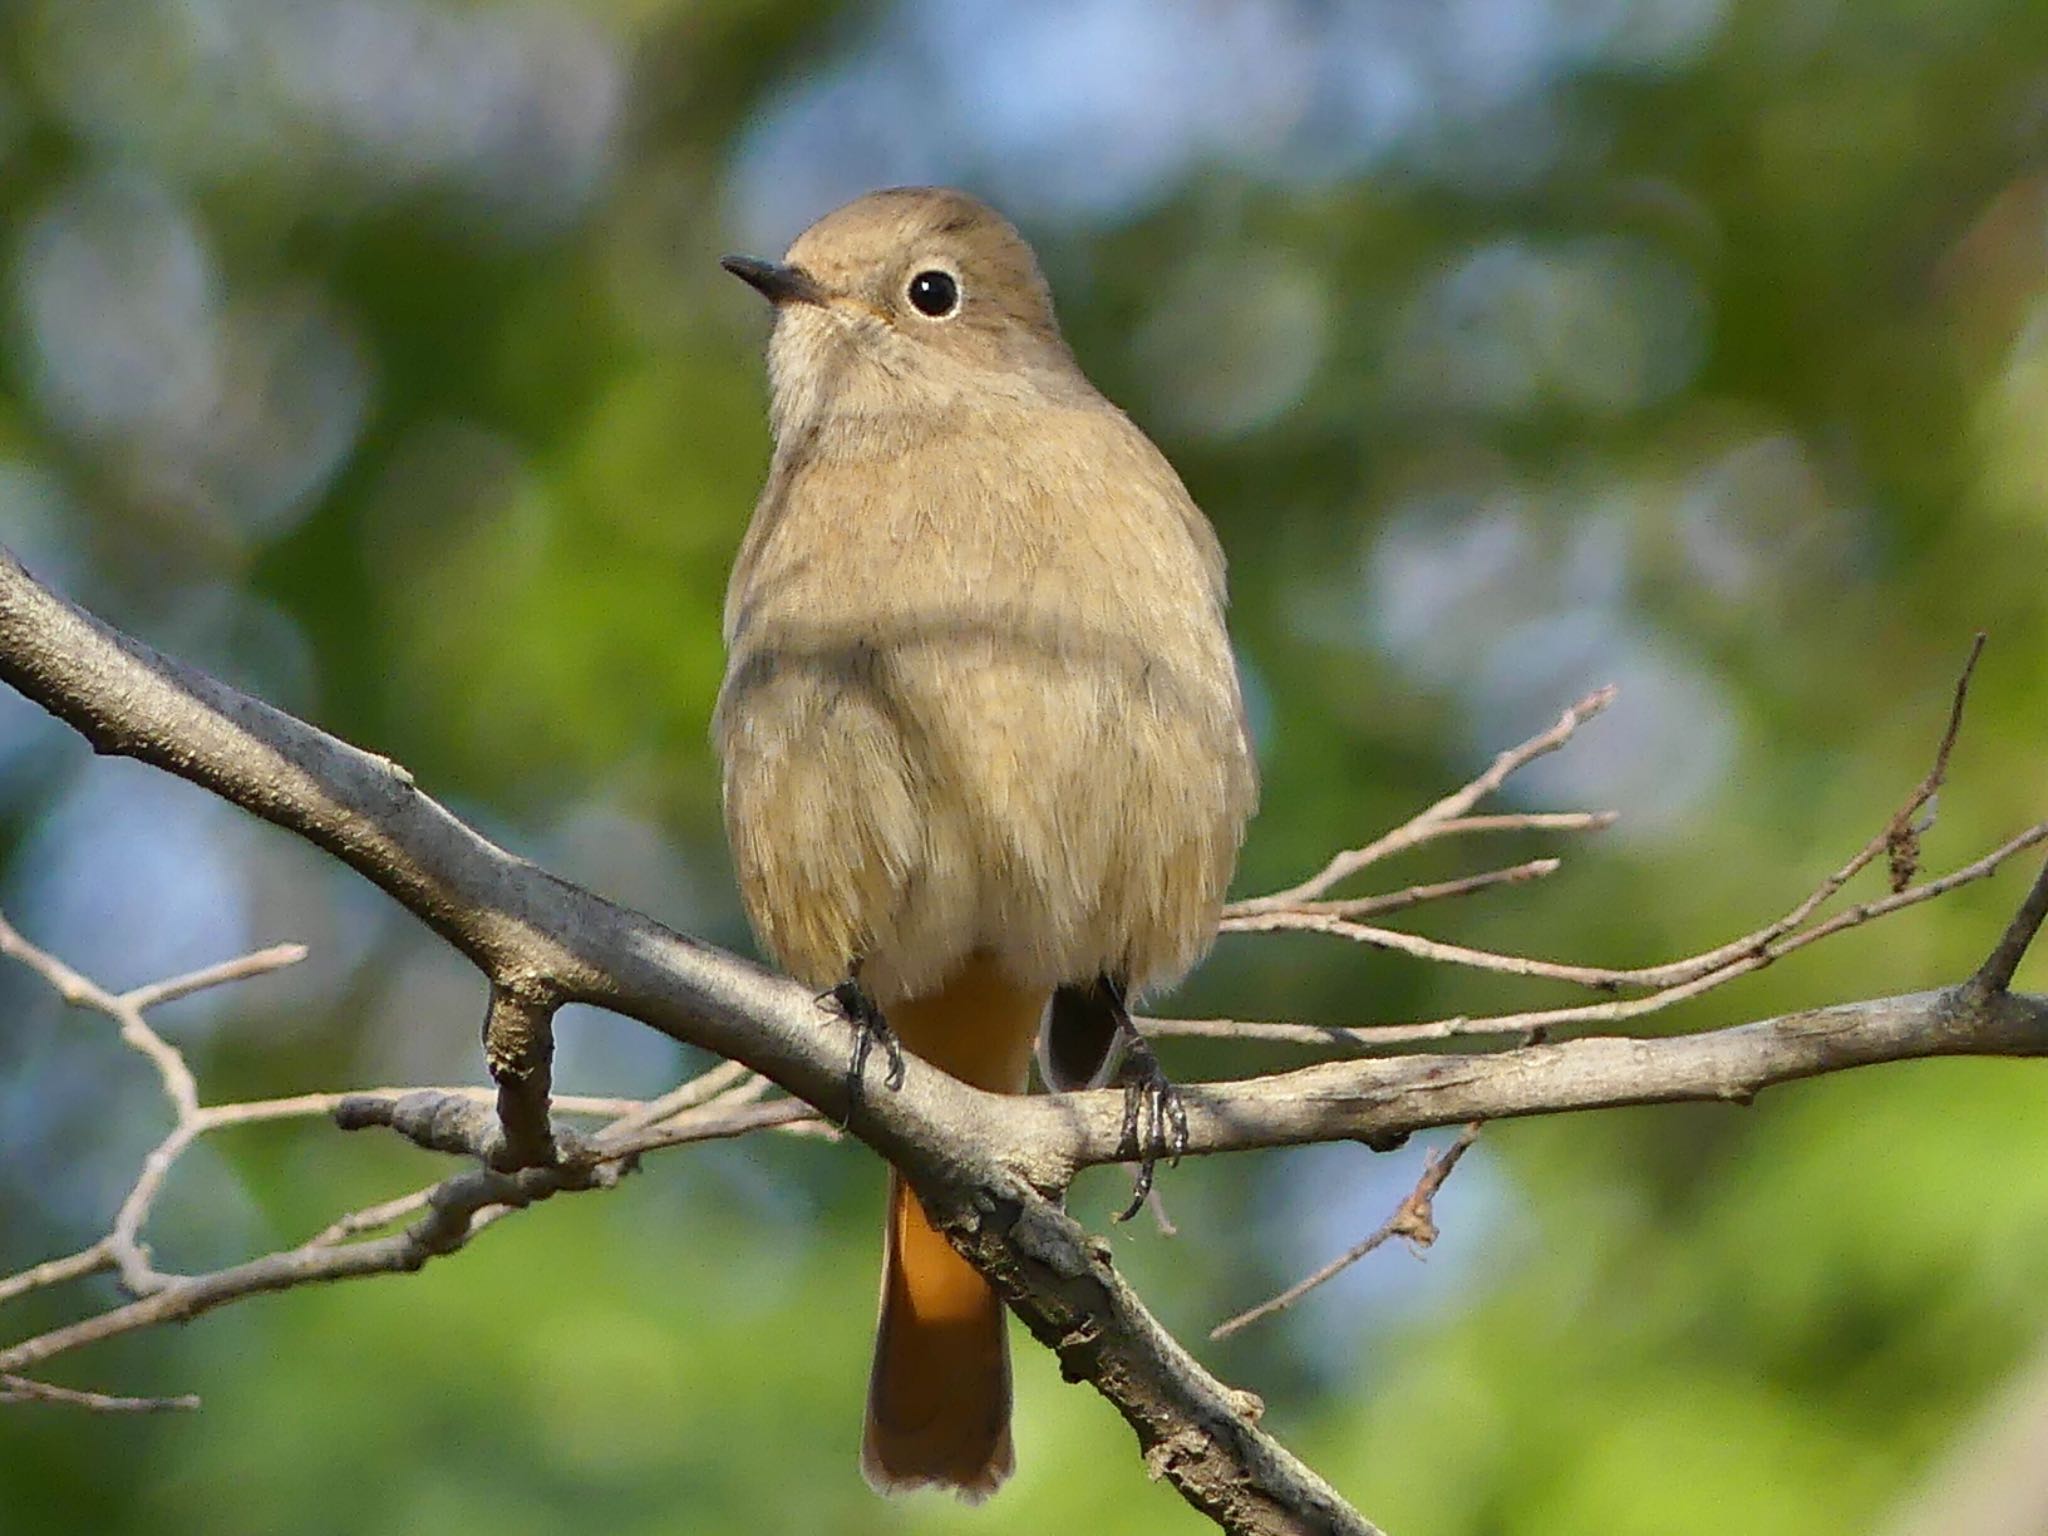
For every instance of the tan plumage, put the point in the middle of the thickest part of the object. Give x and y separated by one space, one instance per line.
980 725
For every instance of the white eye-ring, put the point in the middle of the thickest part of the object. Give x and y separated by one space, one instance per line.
934 293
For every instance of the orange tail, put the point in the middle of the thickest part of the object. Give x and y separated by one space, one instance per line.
939 1396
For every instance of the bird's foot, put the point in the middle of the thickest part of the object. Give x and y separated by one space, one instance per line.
1155 1119
859 1009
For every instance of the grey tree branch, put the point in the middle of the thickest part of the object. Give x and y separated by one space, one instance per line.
989 1168
1202 1435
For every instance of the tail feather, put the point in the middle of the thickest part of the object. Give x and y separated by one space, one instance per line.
939 1397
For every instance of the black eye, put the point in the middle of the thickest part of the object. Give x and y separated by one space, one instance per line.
934 293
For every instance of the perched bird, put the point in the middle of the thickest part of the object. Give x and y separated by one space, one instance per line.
986 769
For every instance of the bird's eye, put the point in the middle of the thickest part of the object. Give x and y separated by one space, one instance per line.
935 293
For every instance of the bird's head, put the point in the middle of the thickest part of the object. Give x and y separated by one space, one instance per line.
912 298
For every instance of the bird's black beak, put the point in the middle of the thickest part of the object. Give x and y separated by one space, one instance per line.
778 282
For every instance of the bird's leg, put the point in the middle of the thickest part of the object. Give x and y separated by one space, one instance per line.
859 1008
1155 1119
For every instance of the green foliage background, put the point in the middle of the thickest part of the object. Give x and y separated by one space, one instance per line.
1735 388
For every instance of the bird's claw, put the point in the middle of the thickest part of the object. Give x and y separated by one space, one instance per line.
1155 1119
860 1010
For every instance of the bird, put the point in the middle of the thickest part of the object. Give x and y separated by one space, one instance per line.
986 770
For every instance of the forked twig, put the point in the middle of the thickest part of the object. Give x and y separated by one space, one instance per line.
1414 1219
725 1100
1662 986
1448 817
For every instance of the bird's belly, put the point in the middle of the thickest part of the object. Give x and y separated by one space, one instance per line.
1066 802
1077 822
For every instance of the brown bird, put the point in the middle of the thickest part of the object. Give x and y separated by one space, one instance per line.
986 769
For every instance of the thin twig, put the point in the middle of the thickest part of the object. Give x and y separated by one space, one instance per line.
1362 1039
1416 895
21 1389
1414 1219
1675 979
711 1122
260 963
1448 816
1679 979
77 990
1673 982
87 1261
456 1209
626 1137
721 1102
1731 962
701 1089
1996 973
369 1219
63 980
1902 837
1433 950
139 1276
